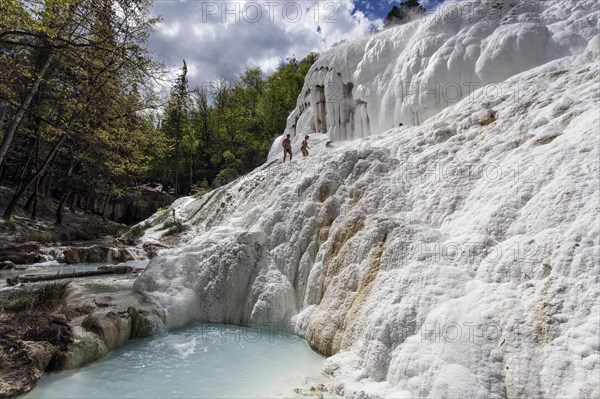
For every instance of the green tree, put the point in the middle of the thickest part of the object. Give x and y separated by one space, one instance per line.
223 133
408 10
87 99
176 121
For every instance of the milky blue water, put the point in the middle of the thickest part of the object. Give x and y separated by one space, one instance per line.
199 361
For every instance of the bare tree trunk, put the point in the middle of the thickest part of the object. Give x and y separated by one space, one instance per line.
105 206
48 187
191 167
42 181
88 201
9 135
61 204
29 202
33 196
35 200
67 194
19 193
177 162
74 202
25 168
2 173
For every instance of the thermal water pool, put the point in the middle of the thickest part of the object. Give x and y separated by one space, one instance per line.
200 361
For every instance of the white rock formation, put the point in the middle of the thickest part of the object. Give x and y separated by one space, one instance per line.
409 73
456 258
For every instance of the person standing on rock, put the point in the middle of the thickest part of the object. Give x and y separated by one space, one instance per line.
305 146
287 147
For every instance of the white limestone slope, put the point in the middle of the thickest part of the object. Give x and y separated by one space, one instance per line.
409 73
456 258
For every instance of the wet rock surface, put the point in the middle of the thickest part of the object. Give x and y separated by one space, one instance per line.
64 325
21 254
96 253
6 265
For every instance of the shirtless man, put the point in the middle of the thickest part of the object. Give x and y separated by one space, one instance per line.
287 147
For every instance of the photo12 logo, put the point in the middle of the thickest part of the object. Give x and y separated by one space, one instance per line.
478 333
448 93
272 11
464 173
252 334
456 253
452 12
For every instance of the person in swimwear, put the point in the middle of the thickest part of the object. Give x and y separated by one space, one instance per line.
287 147
304 148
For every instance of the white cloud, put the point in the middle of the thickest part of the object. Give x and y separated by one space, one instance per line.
219 39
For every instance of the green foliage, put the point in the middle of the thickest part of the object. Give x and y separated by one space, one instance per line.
135 232
138 230
200 188
168 224
408 10
83 122
87 128
229 173
17 305
175 228
176 124
41 236
9 224
40 297
163 215
96 227
225 176
225 131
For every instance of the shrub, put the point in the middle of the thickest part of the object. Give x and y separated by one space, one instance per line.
200 188
96 228
163 215
225 176
10 224
135 232
175 228
43 297
41 236
138 230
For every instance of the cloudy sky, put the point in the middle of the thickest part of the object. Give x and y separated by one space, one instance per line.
221 38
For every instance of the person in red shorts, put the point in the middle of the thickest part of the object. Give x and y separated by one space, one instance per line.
287 147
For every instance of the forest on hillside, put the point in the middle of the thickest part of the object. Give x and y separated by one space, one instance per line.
82 116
